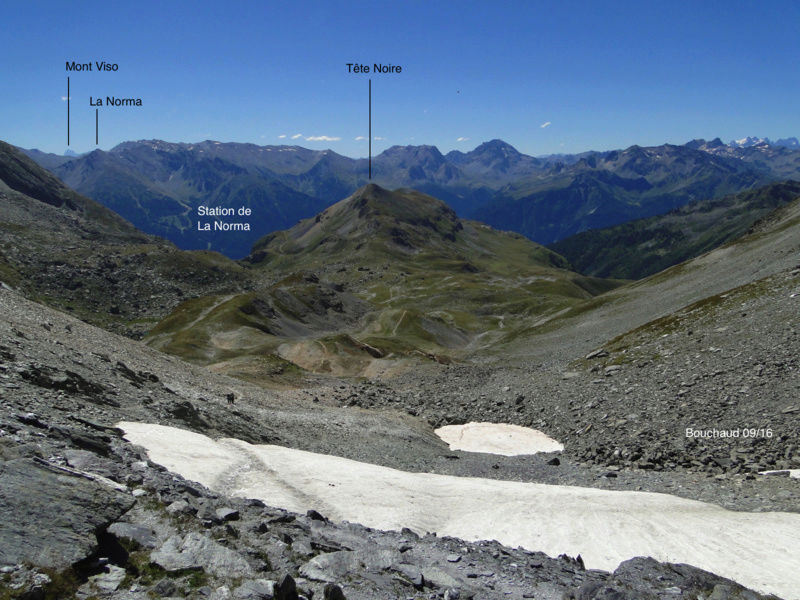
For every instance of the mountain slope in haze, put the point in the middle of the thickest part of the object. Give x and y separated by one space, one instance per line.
159 187
373 283
608 188
781 159
49 160
72 253
639 248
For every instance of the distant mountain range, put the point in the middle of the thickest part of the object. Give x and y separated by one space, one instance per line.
159 186
748 141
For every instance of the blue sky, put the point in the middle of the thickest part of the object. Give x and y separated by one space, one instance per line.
546 77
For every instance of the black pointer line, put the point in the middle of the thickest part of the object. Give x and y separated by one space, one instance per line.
68 111
96 126
370 128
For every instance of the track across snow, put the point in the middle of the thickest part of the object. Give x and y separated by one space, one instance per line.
759 550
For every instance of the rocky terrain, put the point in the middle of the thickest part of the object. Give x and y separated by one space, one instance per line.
108 523
728 363
617 378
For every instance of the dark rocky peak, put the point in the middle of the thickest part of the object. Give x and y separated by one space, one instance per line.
695 144
495 147
95 157
22 174
790 142
405 156
148 145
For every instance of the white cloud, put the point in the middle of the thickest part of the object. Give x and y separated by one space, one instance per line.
462 139
64 98
281 136
360 137
377 137
297 135
322 138
545 124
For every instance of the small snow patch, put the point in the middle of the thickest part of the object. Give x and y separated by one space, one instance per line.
497 438
793 473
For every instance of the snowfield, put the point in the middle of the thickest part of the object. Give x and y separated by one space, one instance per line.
759 550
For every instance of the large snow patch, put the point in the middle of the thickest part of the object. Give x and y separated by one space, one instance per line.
758 550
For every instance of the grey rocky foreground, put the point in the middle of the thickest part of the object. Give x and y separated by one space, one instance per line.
50 516
192 552
64 384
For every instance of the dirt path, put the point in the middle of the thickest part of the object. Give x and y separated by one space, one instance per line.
400 320
204 313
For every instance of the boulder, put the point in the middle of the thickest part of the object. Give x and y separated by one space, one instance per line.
256 589
50 517
331 567
197 552
286 589
333 592
134 536
227 514
109 580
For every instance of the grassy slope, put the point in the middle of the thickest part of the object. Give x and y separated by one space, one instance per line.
770 247
640 248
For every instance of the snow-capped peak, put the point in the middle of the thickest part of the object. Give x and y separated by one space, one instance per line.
748 141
